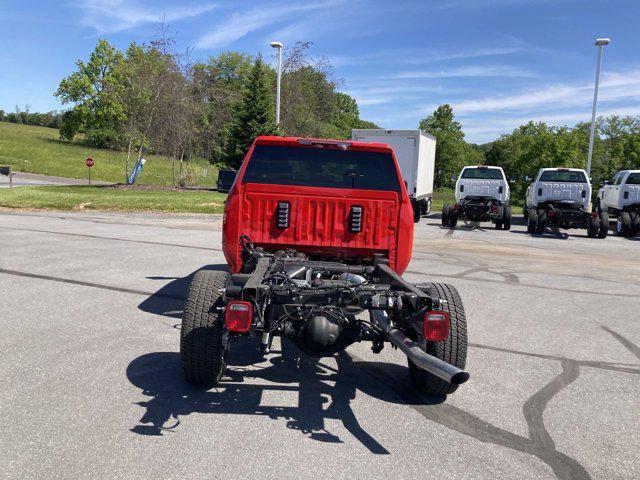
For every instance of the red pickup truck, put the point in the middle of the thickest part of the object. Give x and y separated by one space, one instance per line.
316 233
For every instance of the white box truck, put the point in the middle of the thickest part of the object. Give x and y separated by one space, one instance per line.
416 154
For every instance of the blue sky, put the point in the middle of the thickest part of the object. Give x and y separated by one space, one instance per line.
498 62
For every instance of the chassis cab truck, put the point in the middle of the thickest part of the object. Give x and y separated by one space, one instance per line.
561 198
416 155
482 194
317 234
620 199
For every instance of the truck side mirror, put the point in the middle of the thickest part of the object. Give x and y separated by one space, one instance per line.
527 178
454 177
512 179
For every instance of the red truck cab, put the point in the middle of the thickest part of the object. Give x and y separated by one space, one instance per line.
330 199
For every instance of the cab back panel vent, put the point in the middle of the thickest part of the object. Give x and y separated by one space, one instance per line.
283 215
355 219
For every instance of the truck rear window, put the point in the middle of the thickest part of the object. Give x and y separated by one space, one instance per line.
634 179
563 176
322 167
482 173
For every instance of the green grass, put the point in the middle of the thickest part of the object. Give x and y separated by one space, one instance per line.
108 198
442 196
39 150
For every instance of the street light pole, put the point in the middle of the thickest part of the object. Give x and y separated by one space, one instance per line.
600 42
278 45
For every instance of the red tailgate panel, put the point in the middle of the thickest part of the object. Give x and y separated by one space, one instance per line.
320 223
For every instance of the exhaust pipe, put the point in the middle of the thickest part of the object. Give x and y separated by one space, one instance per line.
419 357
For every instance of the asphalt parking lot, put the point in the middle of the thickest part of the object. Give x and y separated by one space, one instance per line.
92 387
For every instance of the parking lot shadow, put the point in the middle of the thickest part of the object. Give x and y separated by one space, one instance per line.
169 299
323 392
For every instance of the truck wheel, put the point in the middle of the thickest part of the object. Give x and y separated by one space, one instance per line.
604 225
500 218
532 221
416 210
506 218
635 224
446 215
427 207
525 213
453 350
623 225
542 222
593 226
204 340
453 220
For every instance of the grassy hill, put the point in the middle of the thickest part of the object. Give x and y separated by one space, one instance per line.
84 198
39 150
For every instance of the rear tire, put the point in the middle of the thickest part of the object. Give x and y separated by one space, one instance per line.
453 350
499 219
593 227
506 218
532 221
623 225
416 212
446 215
604 225
542 222
635 224
204 339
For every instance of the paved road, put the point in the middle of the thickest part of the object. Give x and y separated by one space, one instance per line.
91 383
36 180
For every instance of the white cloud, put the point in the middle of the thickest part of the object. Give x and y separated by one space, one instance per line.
239 25
381 94
614 87
468 71
419 57
484 119
110 16
487 129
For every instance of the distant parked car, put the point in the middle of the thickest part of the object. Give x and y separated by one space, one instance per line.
620 198
225 180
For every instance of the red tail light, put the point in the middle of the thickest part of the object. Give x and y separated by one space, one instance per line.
238 316
436 326
551 213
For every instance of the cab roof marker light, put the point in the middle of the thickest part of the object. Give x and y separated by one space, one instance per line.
322 143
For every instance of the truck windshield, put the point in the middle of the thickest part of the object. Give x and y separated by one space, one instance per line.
482 173
322 167
634 179
563 176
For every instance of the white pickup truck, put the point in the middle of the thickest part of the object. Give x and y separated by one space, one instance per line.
482 194
561 198
620 198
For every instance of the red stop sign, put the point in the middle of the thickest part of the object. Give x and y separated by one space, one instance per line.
89 162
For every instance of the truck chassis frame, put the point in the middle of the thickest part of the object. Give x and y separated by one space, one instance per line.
478 209
316 304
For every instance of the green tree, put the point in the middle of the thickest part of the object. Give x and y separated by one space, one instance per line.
347 117
218 84
94 90
452 152
533 146
254 115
